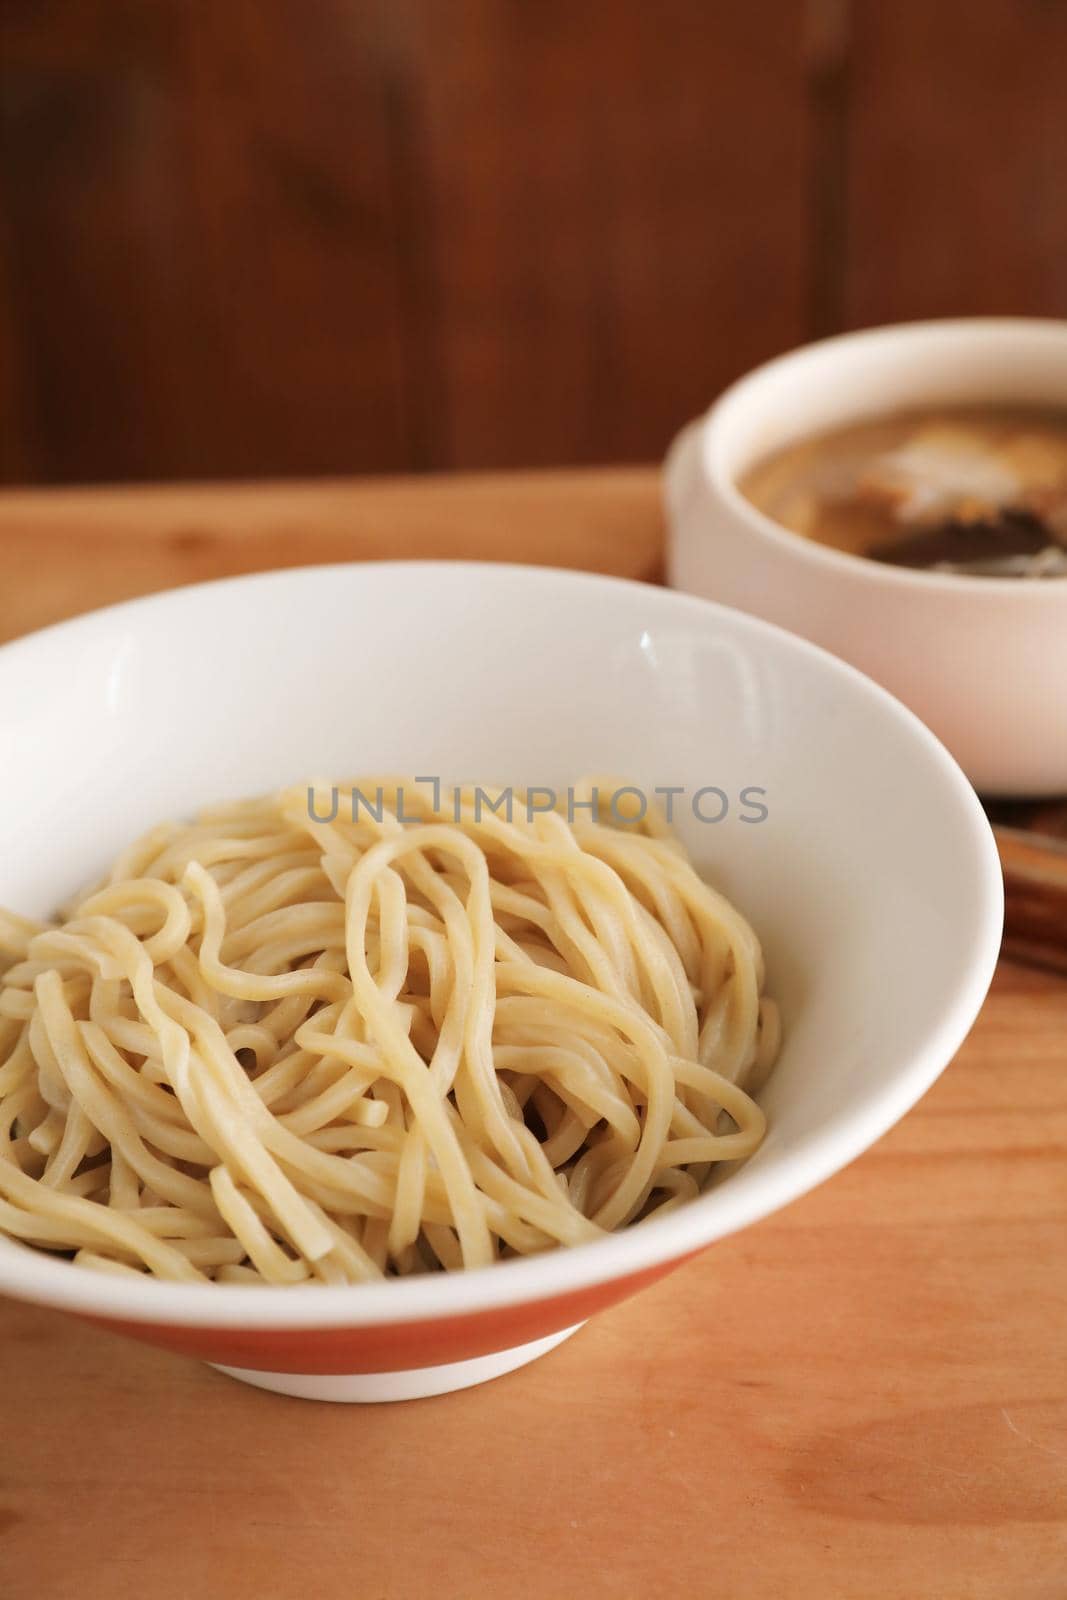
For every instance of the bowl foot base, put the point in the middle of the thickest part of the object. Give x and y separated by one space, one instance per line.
416 1384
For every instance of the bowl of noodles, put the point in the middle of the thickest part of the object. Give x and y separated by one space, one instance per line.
401 963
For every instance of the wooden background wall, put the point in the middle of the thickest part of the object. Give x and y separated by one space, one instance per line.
245 237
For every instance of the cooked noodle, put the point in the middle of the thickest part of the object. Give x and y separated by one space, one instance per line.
276 1049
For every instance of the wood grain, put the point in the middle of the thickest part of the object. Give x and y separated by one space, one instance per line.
613 202
957 160
864 1396
198 240
277 239
65 551
273 238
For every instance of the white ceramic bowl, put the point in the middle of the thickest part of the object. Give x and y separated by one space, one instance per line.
873 880
983 661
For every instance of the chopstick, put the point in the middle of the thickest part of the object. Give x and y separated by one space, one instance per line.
1035 896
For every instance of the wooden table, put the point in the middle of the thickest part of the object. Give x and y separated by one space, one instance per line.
864 1396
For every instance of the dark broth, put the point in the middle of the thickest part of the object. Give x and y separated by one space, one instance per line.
979 490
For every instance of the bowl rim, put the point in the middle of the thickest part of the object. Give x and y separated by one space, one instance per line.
760 525
30 1275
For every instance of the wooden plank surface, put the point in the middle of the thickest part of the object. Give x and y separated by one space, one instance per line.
65 551
612 200
199 241
956 156
275 238
865 1396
